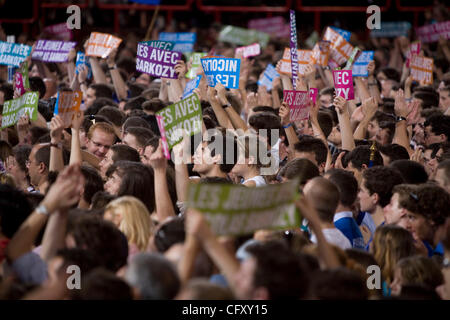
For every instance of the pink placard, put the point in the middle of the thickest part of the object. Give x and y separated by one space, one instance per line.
165 145
313 94
299 104
19 87
274 26
414 48
343 83
249 51
432 32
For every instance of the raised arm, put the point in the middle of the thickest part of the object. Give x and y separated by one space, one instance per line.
368 110
56 153
164 206
292 137
119 85
75 150
234 117
220 113
97 71
313 116
372 82
348 143
64 193
402 110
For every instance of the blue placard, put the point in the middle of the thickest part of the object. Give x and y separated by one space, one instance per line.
360 65
83 60
344 33
223 70
12 54
391 30
269 74
184 41
191 85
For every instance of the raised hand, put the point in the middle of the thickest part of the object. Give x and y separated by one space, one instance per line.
157 160
111 59
77 120
400 107
369 107
83 73
340 104
284 114
264 98
221 92
56 128
371 68
181 69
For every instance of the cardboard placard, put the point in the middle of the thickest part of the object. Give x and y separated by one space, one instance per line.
223 70
101 44
249 51
269 74
184 115
422 69
52 50
235 209
242 36
275 26
15 108
432 32
67 104
304 57
162 130
13 54
343 83
360 66
184 41
191 86
157 62
299 104
341 50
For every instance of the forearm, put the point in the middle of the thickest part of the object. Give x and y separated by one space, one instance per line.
75 151
221 114
164 205
181 180
56 159
186 265
361 89
23 240
348 143
287 83
373 89
401 136
292 137
97 72
119 85
71 71
360 132
175 90
54 236
276 101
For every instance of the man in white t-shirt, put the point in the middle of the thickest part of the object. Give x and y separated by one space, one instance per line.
324 196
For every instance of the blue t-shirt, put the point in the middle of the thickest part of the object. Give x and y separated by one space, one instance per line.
364 218
345 222
438 251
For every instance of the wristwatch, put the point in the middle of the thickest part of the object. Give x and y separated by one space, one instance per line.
399 118
41 209
56 145
224 106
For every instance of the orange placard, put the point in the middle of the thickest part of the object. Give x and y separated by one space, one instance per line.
421 69
101 44
320 53
340 48
68 103
303 58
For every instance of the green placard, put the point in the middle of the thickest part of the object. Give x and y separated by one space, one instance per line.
237 210
243 36
24 72
196 64
15 108
183 115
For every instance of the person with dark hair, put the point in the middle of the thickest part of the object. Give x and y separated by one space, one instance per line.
376 191
343 218
6 93
97 90
427 99
101 284
326 96
14 209
312 149
92 183
301 168
100 200
443 175
114 115
437 129
153 105
411 171
127 178
37 84
137 138
393 152
102 239
16 165
396 211
337 284
324 196
153 277
38 165
218 161
358 160
100 103
135 122
169 233
134 103
385 133
35 133
444 99
427 215
118 152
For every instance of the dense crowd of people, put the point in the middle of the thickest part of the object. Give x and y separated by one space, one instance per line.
99 193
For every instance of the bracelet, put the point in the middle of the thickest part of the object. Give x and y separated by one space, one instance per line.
56 145
112 68
289 125
41 209
372 84
224 106
399 118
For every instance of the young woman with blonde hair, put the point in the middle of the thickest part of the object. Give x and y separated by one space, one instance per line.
131 216
391 244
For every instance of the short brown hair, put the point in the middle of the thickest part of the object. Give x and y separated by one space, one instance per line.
103 126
